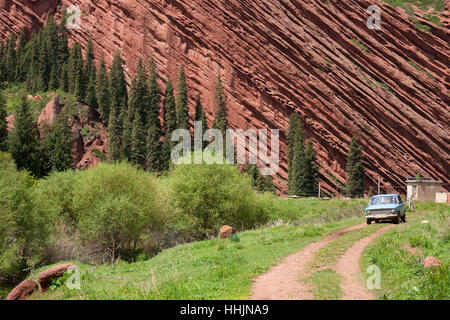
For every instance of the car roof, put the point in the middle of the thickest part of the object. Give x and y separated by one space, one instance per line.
384 195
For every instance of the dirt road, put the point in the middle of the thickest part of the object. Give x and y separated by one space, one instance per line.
282 282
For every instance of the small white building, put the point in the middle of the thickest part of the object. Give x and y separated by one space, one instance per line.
423 189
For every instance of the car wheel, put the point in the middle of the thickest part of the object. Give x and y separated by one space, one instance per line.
377 221
369 221
404 218
396 220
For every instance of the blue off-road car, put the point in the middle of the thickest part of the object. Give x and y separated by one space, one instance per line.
386 207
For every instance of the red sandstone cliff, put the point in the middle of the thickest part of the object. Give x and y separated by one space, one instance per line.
280 56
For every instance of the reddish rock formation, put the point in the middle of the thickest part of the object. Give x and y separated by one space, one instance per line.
282 56
431 262
49 113
45 277
23 290
225 232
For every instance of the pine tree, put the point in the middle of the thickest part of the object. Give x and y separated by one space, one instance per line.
220 120
139 96
117 85
24 140
170 122
259 182
153 149
170 115
114 138
64 78
355 170
20 56
200 115
127 128
76 77
90 76
57 146
138 141
3 124
10 58
102 91
309 179
154 97
295 143
182 101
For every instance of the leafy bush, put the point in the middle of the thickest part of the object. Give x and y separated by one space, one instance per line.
23 231
116 205
204 197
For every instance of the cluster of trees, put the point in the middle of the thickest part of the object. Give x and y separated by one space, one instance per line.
136 134
303 172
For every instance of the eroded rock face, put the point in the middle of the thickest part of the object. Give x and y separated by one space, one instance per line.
49 113
23 290
45 277
277 57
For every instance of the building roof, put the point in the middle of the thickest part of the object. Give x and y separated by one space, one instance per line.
422 180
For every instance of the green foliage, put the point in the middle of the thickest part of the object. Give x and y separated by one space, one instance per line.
139 96
57 146
102 91
117 85
90 76
355 170
19 221
220 120
200 115
115 205
359 44
182 101
260 183
153 149
138 141
404 276
24 140
3 124
170 122
205 197
154 97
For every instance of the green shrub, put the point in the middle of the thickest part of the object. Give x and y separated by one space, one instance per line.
204 197
23 231
55 196
116 206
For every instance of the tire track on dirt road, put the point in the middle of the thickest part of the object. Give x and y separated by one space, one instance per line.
281 282
349 268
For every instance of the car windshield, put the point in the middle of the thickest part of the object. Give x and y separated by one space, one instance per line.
383 200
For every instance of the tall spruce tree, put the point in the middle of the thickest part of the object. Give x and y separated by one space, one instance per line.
138 141
154 98
139 96
153 149
115 143
57 145
200 115
20 56
295 144
220 120
117 85
309 181
355 170
102 91
182 101
127 130
10 58
24 140
170 123
3 124
90 76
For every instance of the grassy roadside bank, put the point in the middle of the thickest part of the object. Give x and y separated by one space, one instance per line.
212 269
400 253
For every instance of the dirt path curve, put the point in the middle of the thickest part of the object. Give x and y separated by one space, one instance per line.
348 266
281 282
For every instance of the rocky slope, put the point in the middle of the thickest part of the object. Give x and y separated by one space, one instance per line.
389 87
